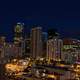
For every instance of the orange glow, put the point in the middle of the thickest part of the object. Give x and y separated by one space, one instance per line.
51 76
13 67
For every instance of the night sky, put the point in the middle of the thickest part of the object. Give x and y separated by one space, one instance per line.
63 15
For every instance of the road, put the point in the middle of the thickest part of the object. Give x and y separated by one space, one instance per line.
29 78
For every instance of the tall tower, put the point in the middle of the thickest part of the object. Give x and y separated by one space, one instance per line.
19 39
44 43
18 33
54 45
2 46
36 42
54 48
28 47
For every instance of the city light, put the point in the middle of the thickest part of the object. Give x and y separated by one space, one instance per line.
52 76
40 56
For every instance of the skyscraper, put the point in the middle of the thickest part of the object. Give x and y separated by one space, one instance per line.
28 47
2 46
36 42
54 45
44 43
54 48
18 36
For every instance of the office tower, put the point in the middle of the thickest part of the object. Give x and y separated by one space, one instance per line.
50 52
54 48
28 47
44 43
11 51
2 46
15 51
18 36
36 42
54 45
60 47
7 50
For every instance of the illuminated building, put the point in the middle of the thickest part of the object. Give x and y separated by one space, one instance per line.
2 40
70 50
7 50
18 33
78 50
11 51
16 51
28 47
67 76
50 52
36 42
2 46
54 48
54 45
18 39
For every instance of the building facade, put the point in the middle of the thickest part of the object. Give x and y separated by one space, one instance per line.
2 46
19 37
36 42
71 50
54 48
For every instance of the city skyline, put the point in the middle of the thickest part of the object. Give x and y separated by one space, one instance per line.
27 29
39 40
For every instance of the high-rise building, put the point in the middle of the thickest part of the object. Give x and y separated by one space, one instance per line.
54 44
36 42
44 43
16 51
54 48
7 50
18 36
11 51
28 47
2 46
44 36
